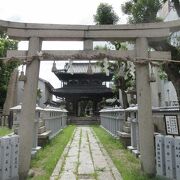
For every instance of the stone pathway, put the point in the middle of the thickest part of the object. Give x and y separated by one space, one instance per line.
84 158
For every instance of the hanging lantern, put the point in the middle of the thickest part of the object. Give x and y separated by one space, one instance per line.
54 67
152 77
22 76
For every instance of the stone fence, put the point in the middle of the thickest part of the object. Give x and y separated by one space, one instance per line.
123 123
55 120
9 157
48 123
112 120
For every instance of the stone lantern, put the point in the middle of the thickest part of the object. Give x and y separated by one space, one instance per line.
16 124
16 117
133 119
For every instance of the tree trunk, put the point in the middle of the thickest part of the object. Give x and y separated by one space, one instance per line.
125 100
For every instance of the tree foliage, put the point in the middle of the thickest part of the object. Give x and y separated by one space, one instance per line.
5 69
105 15
123 77
145 11
142 11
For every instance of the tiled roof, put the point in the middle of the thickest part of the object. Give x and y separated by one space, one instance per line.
83 68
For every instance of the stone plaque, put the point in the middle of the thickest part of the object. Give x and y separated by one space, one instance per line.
171 122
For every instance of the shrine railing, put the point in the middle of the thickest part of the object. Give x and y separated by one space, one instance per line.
124 123
112 120
55 120
48 123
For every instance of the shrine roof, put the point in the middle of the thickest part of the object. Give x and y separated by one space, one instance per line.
84 69
83 90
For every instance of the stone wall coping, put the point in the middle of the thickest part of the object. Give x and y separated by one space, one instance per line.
135 109
18 107
112 110
55 109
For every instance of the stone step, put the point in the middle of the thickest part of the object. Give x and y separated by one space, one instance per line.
127 123
126 129
130 148
123 134
41 130
44 134
135 152
125 138
43 138
41 123
84 122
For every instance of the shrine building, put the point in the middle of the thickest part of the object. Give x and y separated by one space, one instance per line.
83 88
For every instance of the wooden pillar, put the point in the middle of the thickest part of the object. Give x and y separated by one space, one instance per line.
28 108
146 127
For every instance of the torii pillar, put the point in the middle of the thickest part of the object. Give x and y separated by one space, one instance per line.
146 127
28 109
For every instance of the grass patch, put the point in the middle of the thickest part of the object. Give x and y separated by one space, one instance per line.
46 159
5 131
127 164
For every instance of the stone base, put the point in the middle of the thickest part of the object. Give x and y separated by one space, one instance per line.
35 150
84 120
136 152
125 138
43 138
130 148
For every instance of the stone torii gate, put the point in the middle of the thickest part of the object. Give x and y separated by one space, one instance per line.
141 34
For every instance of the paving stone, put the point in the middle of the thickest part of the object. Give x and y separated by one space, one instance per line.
86 177
86 169
70 166
67 176
92 158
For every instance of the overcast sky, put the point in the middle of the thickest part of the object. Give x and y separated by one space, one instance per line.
57 12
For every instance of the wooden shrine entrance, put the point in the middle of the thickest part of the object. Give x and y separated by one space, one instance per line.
141 34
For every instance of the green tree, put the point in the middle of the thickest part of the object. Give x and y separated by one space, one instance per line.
122 80
141 11
5 68
105 14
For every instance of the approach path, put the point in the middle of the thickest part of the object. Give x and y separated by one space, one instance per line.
84 158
